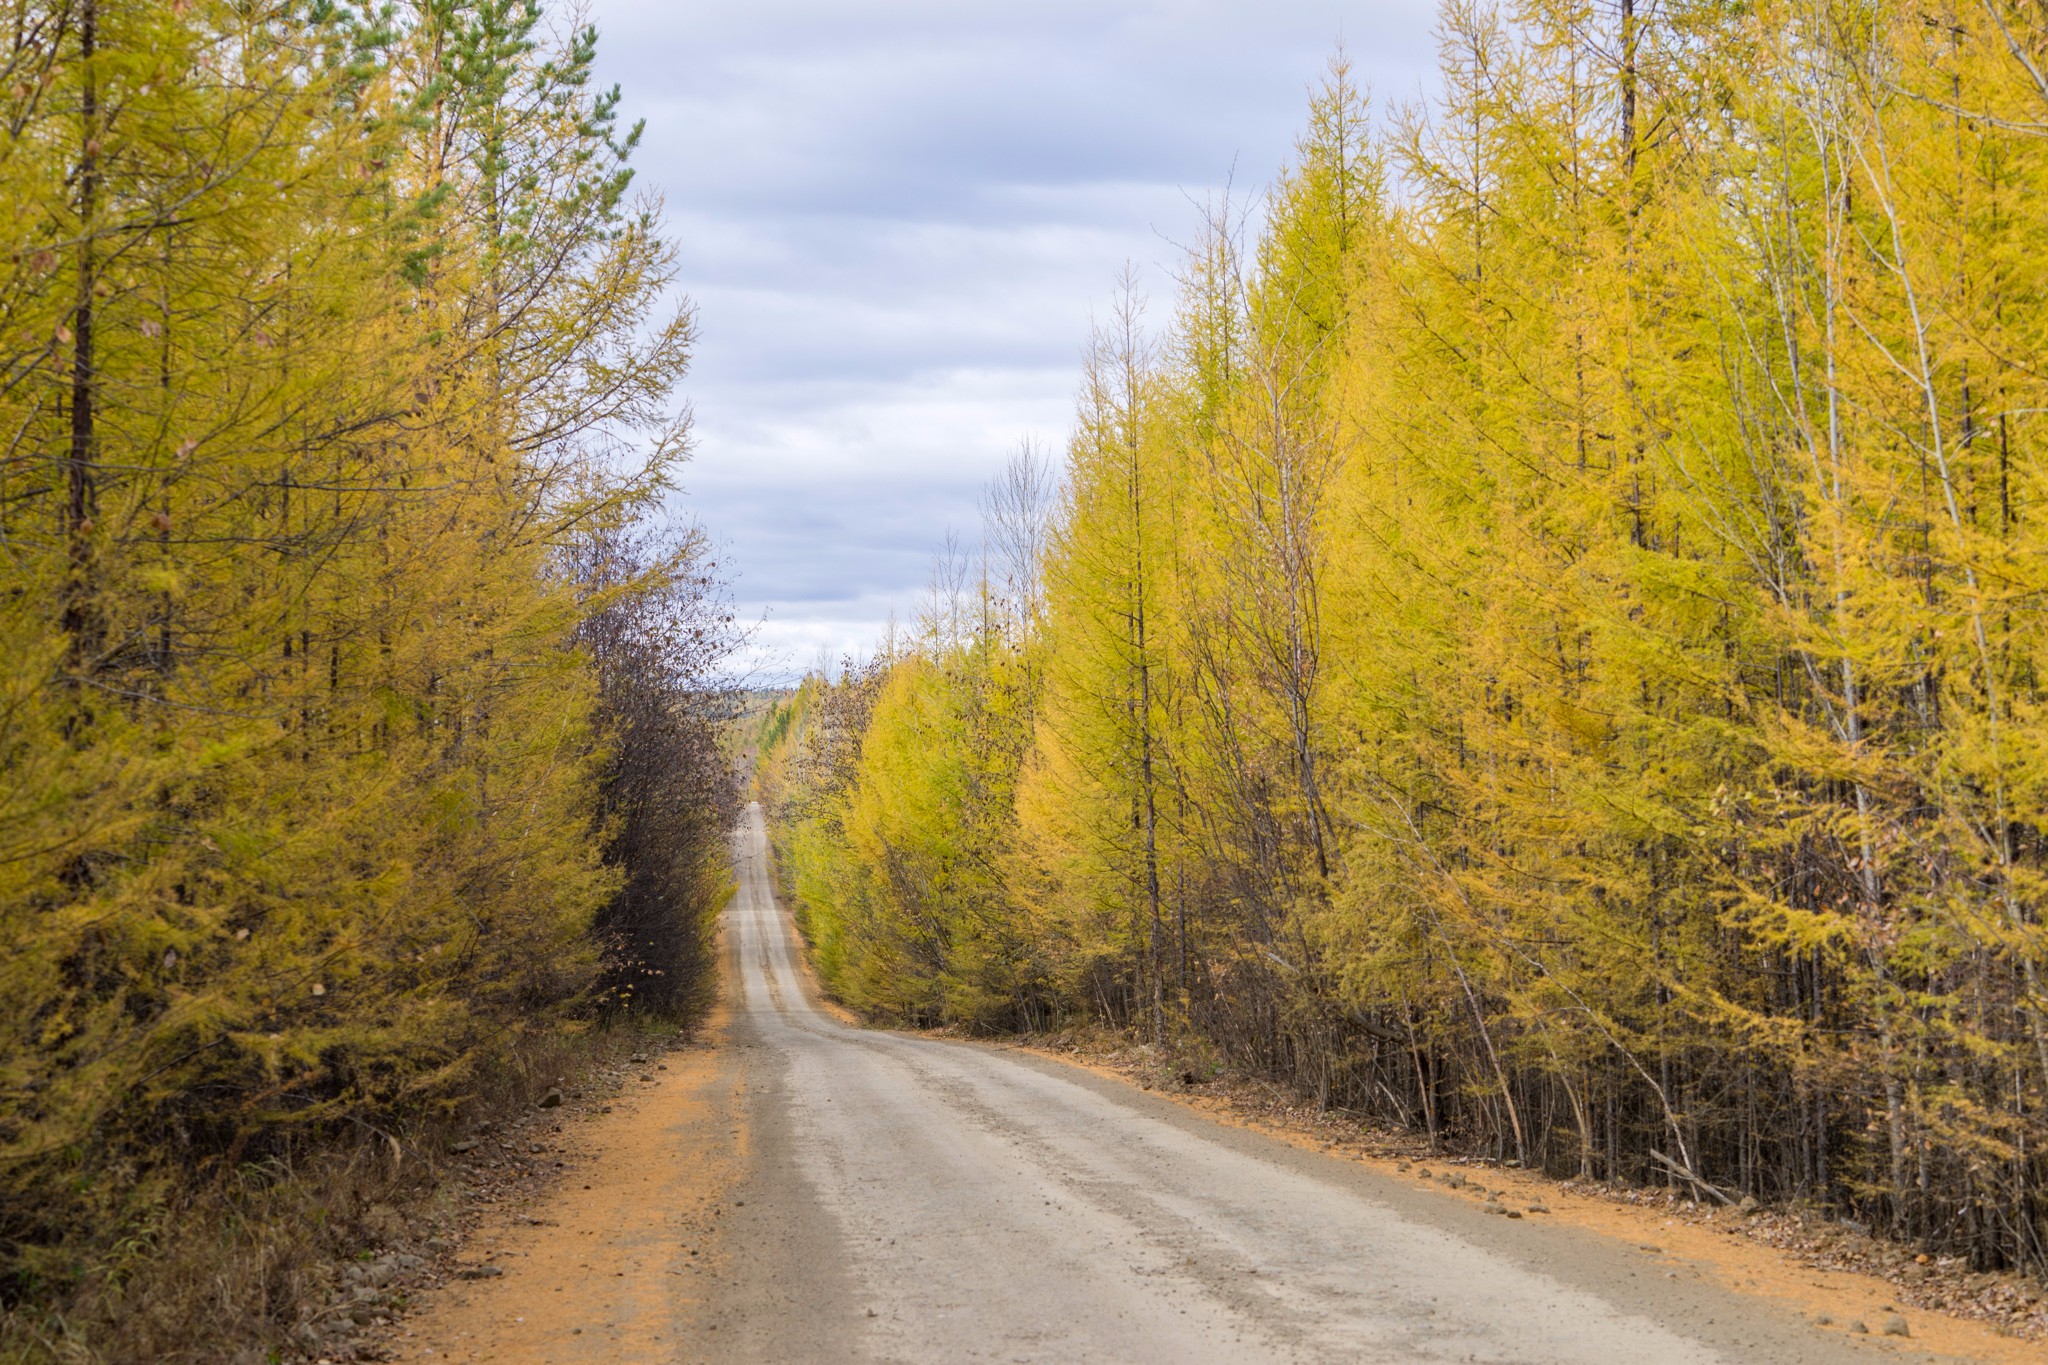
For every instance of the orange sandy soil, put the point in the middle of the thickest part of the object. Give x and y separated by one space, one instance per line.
614 1262
1711 1243
620 1260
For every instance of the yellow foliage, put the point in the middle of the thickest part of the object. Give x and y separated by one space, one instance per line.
311 329
1547 646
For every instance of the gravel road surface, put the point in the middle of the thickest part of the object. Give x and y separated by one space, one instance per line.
913 1199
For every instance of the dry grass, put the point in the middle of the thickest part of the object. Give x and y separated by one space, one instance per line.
241 1269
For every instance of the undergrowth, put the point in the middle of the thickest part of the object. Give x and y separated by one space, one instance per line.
232 1268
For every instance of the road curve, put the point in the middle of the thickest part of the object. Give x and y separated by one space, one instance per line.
912 1199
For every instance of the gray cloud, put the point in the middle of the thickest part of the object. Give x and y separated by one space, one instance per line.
895 219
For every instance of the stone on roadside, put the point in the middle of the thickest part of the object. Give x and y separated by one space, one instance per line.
1856 1325
466 1145
551 1100
1895 1326
481 1272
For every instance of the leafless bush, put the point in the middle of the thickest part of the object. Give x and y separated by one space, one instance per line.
661 642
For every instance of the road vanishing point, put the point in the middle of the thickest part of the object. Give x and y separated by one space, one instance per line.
915 1199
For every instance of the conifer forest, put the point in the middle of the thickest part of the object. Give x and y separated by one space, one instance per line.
1532 646
338 650
1540 640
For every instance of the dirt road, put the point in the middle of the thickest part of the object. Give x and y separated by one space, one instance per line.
800 1190
917 1200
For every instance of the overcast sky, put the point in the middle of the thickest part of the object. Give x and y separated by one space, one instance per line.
896 220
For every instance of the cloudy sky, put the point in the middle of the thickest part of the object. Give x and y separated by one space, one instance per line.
896 218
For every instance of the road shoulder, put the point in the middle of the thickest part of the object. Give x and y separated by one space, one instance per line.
1702 1247
620 1259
